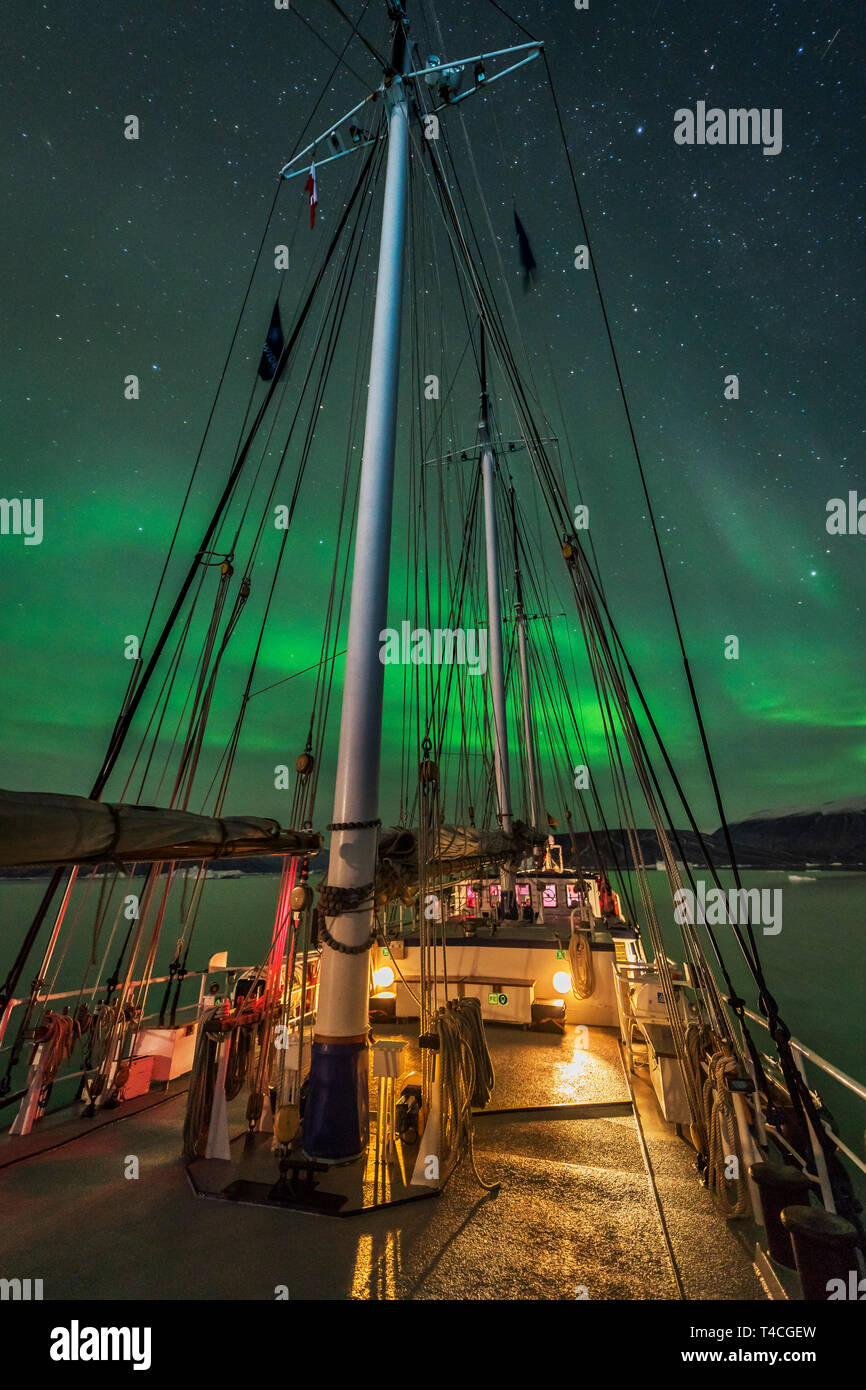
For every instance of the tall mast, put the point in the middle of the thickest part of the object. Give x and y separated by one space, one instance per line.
528 731
336 1122
496 664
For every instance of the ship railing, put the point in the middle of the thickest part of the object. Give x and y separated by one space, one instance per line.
850 1084
195 1007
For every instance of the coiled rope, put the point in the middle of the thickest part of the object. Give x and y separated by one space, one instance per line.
466 1079
580 965
723 1138
202 1083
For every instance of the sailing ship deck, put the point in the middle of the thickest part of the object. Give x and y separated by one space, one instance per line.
576 1208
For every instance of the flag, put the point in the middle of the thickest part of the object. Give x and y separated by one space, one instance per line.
274 344
527 260
313 191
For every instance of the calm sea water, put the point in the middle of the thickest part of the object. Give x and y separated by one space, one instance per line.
816 965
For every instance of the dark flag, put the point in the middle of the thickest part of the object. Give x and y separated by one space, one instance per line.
274 344
312 187
527 260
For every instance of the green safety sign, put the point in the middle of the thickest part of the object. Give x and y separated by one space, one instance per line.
497 998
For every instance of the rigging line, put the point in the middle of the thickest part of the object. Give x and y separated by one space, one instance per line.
331 635
484 298
328 335
513 21
735 998
209 421
353 25
239 320
528 431
339 56
320 98
163 698
277 567
315 667
326 344
755 967
692 691
539 458
128 711
542 677
125 721
458 598
532 392
494 241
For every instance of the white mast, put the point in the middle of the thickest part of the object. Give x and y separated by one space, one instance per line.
336 1114
336 1118
531 773
494 631
526 693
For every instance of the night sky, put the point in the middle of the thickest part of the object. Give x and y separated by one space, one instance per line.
133 257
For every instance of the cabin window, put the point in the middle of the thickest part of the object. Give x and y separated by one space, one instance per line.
522 892
471 897
548 896
573 895
495 892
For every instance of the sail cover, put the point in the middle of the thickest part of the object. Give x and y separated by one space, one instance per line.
450 849
39 828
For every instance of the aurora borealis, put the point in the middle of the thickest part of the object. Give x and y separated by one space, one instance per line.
133 256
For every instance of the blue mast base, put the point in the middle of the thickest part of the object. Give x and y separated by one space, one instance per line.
336 1124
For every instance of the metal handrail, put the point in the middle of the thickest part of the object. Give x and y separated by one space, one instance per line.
842 1077
133 984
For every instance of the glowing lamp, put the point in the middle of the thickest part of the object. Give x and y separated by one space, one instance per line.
383 977
562 982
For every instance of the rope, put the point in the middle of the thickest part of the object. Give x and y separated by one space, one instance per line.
465 1071
202 1082
724 1138
344 950
580 965
335 901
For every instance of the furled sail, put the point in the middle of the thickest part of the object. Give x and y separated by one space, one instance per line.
450 850
38 828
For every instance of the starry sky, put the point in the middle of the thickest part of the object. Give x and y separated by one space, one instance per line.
134 256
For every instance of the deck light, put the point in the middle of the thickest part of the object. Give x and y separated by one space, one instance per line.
561 982
383 977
